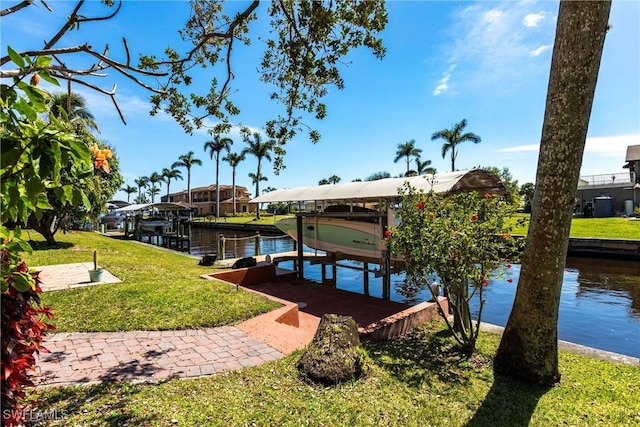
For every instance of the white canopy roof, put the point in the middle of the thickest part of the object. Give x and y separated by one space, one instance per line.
479 180
162 206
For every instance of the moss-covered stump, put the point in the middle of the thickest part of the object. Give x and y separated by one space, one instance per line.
334 355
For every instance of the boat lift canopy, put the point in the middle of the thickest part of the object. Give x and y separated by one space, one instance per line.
479 180
162 206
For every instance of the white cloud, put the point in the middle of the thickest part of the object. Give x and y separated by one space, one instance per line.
610 146
443 83
492 47
539 50
520 148
533 19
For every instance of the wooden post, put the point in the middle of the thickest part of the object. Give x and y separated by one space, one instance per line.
334 269
257 244
300 247
366 278
221 247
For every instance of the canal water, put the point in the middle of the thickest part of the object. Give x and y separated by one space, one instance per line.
599 304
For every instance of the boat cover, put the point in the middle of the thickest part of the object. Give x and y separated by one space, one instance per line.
479 180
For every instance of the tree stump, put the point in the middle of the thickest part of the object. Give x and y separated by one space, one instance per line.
334 355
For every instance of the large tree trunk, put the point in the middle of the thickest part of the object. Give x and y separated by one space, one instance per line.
47 226
529 346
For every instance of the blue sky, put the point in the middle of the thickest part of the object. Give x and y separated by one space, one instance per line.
484 61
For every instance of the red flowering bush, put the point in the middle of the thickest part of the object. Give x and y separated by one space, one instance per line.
459 240
23 327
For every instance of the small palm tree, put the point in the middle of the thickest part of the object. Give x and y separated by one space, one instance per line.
422 167
141 182
74 107
334 179
262 150
168 175
453 137
215 147
154 178
324 181
129 189
408 150
187 161
234 160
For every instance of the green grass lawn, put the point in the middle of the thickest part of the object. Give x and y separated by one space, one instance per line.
416 381
159 290
603 228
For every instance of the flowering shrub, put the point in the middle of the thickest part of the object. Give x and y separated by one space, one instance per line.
23 328
460 240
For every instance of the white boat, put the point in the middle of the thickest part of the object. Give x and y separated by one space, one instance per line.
361 237
155 225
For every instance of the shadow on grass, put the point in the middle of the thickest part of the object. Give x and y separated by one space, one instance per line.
421 358
508 403
39 245
112 401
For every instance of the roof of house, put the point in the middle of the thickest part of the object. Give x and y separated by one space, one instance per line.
479 180
633 153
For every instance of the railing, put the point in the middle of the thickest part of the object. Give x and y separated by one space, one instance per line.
222 242
611 178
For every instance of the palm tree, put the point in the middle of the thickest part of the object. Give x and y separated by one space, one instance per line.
129 189
215 147
187 161
334 179
141 182
324 181
168 175
153 191
422 167
408 150
454 137
154 178
74 107
234 159
255 179
260 150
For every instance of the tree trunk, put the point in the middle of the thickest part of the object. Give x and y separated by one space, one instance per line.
46 226
529 346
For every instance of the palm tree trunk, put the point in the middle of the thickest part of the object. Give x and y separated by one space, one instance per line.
217 187
529 346
234 190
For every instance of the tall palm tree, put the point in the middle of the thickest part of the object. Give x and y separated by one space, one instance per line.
141 182
154 178
334 179
234 159
74 107
215 147
168 175
422 167
187 161
129 189
453 137
260 150
408 150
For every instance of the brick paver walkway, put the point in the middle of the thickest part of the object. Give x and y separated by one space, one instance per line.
148 355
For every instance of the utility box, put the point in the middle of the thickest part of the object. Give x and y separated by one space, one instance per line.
603 207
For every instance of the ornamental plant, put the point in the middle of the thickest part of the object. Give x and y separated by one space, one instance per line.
460 240
35 153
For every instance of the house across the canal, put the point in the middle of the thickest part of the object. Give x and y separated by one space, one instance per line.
204 200
612 193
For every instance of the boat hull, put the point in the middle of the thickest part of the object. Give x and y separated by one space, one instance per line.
358 239
156 226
